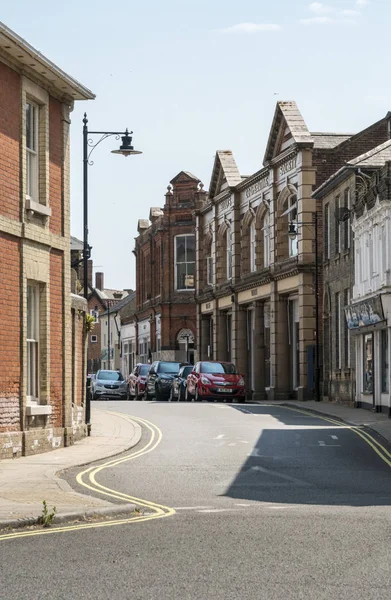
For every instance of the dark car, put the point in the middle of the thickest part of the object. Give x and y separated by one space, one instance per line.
214 380
109 384
178 387
137 380
160 377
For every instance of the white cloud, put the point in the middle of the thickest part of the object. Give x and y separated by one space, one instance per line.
320 9
317 21
350 13
362 2
251 28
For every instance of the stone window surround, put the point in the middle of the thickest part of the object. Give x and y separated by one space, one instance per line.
40 97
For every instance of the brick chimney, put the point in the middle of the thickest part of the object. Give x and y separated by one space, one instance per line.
99 281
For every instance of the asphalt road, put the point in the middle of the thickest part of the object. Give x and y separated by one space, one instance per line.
269 504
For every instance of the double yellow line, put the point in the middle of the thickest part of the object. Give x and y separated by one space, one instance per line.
358 430
87 479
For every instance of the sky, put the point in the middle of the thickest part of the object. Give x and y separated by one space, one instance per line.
190 77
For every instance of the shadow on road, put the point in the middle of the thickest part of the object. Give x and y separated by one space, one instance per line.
300 459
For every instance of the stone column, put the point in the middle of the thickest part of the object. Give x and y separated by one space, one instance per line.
239 338
259 353
204 337
279 348
307 326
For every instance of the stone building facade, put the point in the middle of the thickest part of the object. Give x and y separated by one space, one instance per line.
41 323
165 275
255 284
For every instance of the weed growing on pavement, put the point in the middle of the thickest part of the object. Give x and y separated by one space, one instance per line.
47 517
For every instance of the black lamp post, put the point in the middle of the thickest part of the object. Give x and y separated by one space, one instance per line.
292 233
126 149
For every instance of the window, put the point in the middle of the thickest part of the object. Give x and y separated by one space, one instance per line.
384 361
33 328
229 253
327 232
337 227
292 211
94 339
253 266
94 312
347 335
266 240
370 249
32 159
347 222
185 262
338 330
368 363
209 269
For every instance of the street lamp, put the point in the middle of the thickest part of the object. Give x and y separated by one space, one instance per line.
126 149
292 233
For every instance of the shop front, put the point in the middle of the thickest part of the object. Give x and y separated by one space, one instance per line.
368 320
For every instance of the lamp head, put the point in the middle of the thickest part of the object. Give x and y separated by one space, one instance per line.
292 231
126 148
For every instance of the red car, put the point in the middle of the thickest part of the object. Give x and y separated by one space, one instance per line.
214 380
137 380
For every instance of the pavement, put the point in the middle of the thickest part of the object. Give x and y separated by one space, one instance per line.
25 482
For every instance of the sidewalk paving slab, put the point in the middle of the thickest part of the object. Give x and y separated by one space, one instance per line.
25 482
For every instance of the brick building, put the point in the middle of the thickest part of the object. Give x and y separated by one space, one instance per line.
255 284
41 323
165 275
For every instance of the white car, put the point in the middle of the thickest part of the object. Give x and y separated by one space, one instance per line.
109 384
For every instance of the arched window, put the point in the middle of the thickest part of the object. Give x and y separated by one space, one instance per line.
253 247
266 239
286 217
228 244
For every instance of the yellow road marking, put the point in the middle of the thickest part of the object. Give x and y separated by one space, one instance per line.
160 511
374 444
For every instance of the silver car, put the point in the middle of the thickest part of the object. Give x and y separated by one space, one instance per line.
109 384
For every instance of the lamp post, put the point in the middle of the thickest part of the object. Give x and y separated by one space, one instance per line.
292 233
126 149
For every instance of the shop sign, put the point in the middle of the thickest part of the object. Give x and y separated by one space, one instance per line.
367 312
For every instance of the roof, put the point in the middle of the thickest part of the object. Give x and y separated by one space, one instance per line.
76 244
32 60
122 303
187 173
109 294
329 140
373 159
224 166
288 111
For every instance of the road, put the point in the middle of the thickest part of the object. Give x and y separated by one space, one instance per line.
259 502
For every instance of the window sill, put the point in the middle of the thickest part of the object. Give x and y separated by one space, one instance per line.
38 208
33 410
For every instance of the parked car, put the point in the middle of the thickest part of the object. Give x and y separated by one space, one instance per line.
160 378
137 379
211 380
178 387
109 384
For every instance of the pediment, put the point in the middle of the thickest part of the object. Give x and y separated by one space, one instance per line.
288 129
225 173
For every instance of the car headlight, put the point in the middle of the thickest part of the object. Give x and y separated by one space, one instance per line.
241 381
205 380
99 386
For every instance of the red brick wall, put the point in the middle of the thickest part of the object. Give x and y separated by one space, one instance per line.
9 142
55 166
56 336
9 334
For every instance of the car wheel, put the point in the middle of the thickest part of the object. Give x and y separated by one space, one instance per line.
136 393
180 394
171 396
188 396
94 397
158 394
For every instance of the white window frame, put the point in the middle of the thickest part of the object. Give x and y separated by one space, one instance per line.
228 241
33 344
94 341
186 262
266 240
94 313
253 247
32 153
327 230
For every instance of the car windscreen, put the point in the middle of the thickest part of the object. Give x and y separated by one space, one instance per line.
144 370
185 371
110 376
169 367
209 367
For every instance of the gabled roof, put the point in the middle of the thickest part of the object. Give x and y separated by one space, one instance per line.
122 303
187 173
109 294
224 168
287 115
